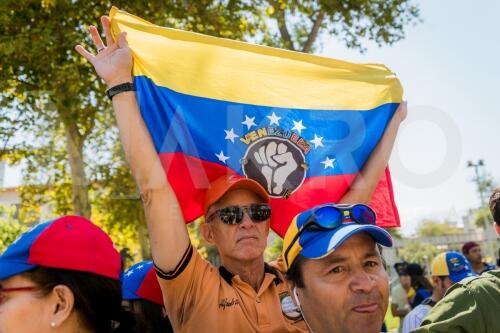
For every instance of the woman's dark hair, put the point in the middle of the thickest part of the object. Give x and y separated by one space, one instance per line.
150 317
97 298
420 281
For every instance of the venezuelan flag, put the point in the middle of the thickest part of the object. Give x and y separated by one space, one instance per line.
301 125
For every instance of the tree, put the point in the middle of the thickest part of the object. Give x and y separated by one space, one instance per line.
418 252
55 116
430 228
274 250
56 119
300 22
482 216
395 233
10 228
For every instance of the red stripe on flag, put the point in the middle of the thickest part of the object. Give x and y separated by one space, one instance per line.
190 178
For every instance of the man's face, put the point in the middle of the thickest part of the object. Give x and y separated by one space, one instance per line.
244 241
347 291
475 255
441 284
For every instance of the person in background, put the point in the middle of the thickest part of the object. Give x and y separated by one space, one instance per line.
446 269
333 258
472 251
142 295
62 276
400 305
421 285
473 304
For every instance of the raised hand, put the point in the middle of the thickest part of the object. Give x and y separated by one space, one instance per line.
402 111
113 62
277 164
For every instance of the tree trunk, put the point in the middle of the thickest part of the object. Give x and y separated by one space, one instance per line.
74 145
143 235
314 32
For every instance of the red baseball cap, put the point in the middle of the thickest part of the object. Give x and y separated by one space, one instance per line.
140 282
224 184
68 242
468 246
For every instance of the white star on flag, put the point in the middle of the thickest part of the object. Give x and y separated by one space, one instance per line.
140 266
328 163
221 157
275 120
129 273
297 125
318 141
230 135
249 122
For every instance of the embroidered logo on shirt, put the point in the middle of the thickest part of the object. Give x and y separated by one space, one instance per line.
226 303
288 307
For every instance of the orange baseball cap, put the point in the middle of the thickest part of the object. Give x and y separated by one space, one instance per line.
224 184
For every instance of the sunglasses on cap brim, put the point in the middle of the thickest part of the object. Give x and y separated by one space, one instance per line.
234 214
329 217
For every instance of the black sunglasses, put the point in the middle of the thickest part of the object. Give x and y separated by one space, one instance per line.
234 214
330 216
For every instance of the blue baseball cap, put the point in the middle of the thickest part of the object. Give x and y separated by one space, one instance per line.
453 265
316 244
140 282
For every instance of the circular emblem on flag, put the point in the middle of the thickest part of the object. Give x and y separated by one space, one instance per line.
277 164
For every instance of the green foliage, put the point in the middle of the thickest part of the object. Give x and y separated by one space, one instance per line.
482 216
57 121
418 252
430 228
395 233
274 249
10 228
300 22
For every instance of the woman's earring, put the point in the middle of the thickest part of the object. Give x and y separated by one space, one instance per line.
53 323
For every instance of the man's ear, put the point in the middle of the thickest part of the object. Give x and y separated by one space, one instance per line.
435 281
63 301
207 233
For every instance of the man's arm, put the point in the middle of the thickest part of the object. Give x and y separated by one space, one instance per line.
167 231
397 311
366 181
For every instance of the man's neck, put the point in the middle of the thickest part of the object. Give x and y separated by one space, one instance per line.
251 272
478 267
436 297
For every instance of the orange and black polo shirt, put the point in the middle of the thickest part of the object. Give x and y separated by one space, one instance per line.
201 298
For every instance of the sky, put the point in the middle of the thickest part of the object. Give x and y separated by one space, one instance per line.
449 69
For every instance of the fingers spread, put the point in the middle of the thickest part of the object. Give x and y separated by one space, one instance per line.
107 30
86 54
94 33
122 40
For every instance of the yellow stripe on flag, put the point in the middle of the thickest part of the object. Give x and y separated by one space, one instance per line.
228 70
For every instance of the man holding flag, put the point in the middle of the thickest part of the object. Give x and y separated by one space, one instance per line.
244 294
